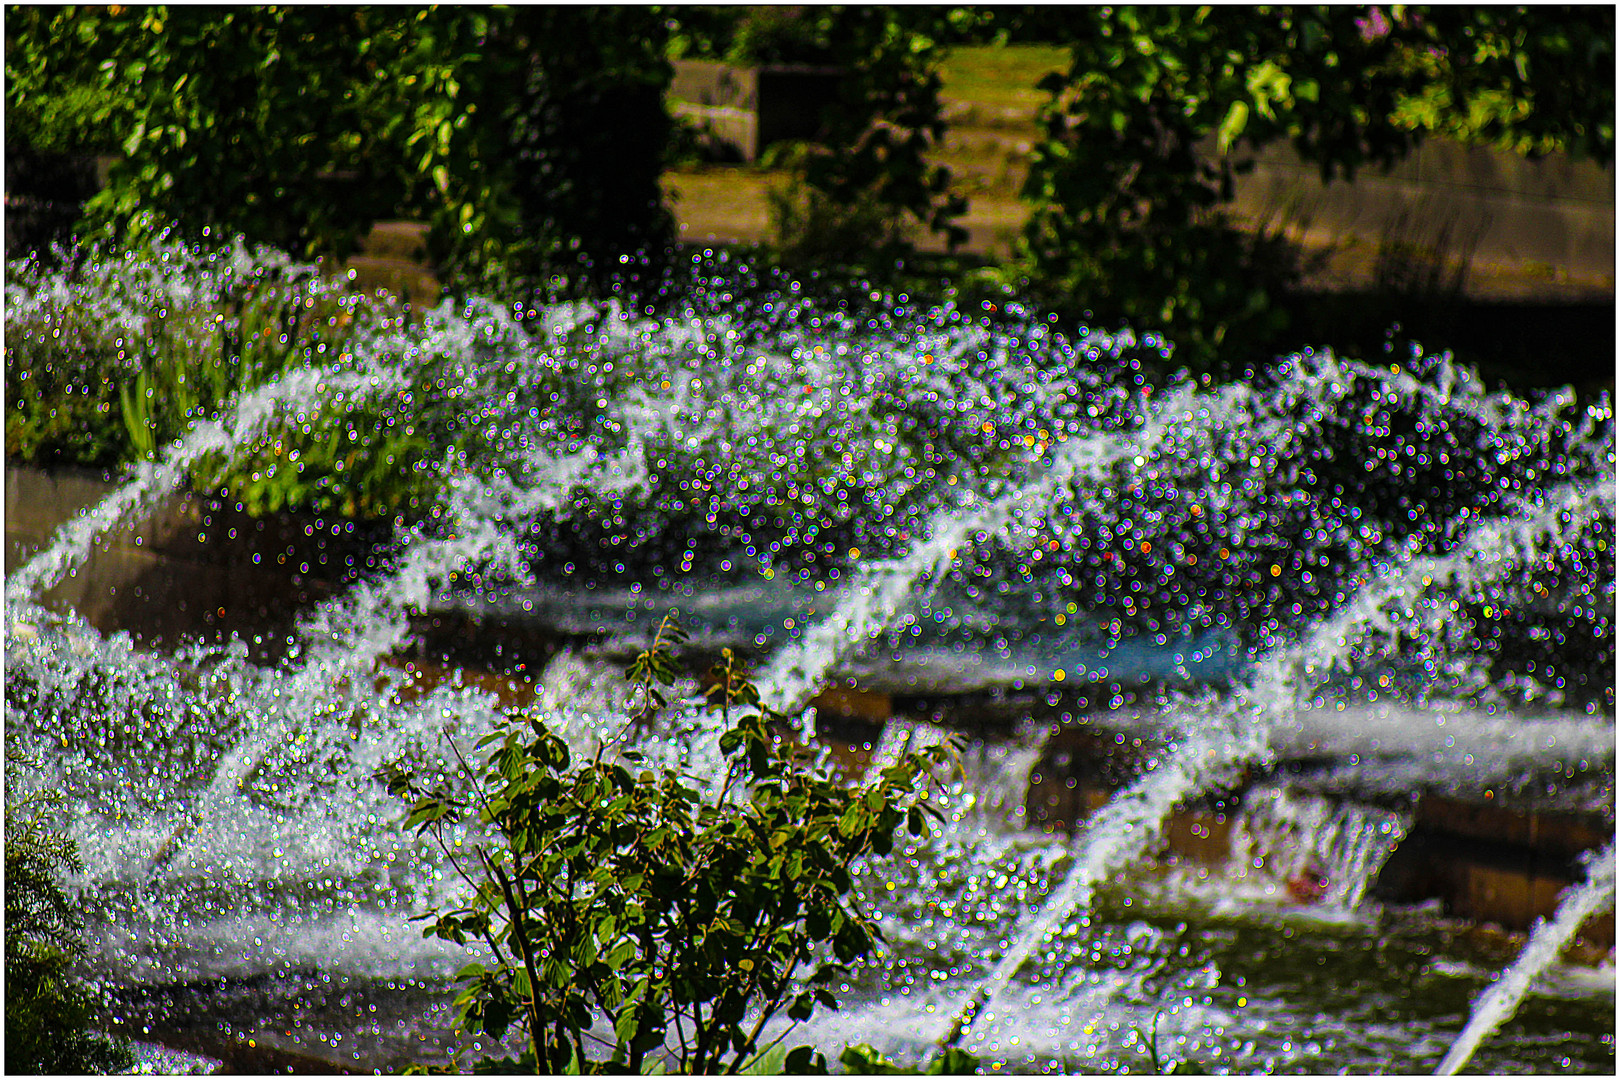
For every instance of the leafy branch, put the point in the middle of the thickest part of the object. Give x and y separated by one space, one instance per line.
629 902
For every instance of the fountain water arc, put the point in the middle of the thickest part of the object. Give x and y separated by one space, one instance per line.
1547 940
1016 493
1273 693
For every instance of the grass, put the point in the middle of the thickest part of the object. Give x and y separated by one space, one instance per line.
721 203
989 94
1000 77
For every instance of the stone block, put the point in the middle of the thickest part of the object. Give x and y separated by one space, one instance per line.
742 110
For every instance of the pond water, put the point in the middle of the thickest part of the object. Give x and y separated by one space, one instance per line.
1385 570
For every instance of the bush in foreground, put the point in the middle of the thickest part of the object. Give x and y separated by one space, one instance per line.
637 921
48 1012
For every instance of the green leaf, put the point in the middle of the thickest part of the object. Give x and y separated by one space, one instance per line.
1232 127
850 823
954 1061
863 1060
916 824
804 1060
497 1016
828 972
621 954
627 1024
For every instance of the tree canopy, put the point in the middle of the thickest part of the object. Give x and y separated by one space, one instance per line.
532 139
1126 196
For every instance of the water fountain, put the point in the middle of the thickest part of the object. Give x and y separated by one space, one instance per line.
1314 599
1498 1003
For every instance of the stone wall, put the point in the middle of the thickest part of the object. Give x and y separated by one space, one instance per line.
742 110
197 565
1494 225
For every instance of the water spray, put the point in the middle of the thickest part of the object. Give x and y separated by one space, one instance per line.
1502 998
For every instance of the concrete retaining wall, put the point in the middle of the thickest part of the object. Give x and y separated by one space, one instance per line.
195 566
1497 226
742 110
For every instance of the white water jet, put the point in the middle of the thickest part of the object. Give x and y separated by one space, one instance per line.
1487 554
823 409
344 638
1547 940
1116 835
1119 832
156 480
1183 424
349 634
798 670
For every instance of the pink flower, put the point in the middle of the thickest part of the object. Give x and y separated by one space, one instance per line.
1374 26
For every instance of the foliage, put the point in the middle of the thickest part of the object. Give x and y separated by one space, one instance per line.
48 1013
108 359
54 131
112 358
258 121
544 173
887 119
862 1060
791 461
365 461
1127 198
632 901
62 377
780 35
703 31
878 133
797 34
809 229
300 126
1532 80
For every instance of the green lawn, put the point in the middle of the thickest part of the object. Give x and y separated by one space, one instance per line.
989 92
1001 77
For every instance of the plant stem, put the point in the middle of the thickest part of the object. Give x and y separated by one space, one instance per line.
515 921
766 1012
767 1048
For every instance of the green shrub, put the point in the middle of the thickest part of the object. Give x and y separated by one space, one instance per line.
267 121
537 136
48 1012
109 360
1127 199
530 139
877 134
863 1060
618 896
809 228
